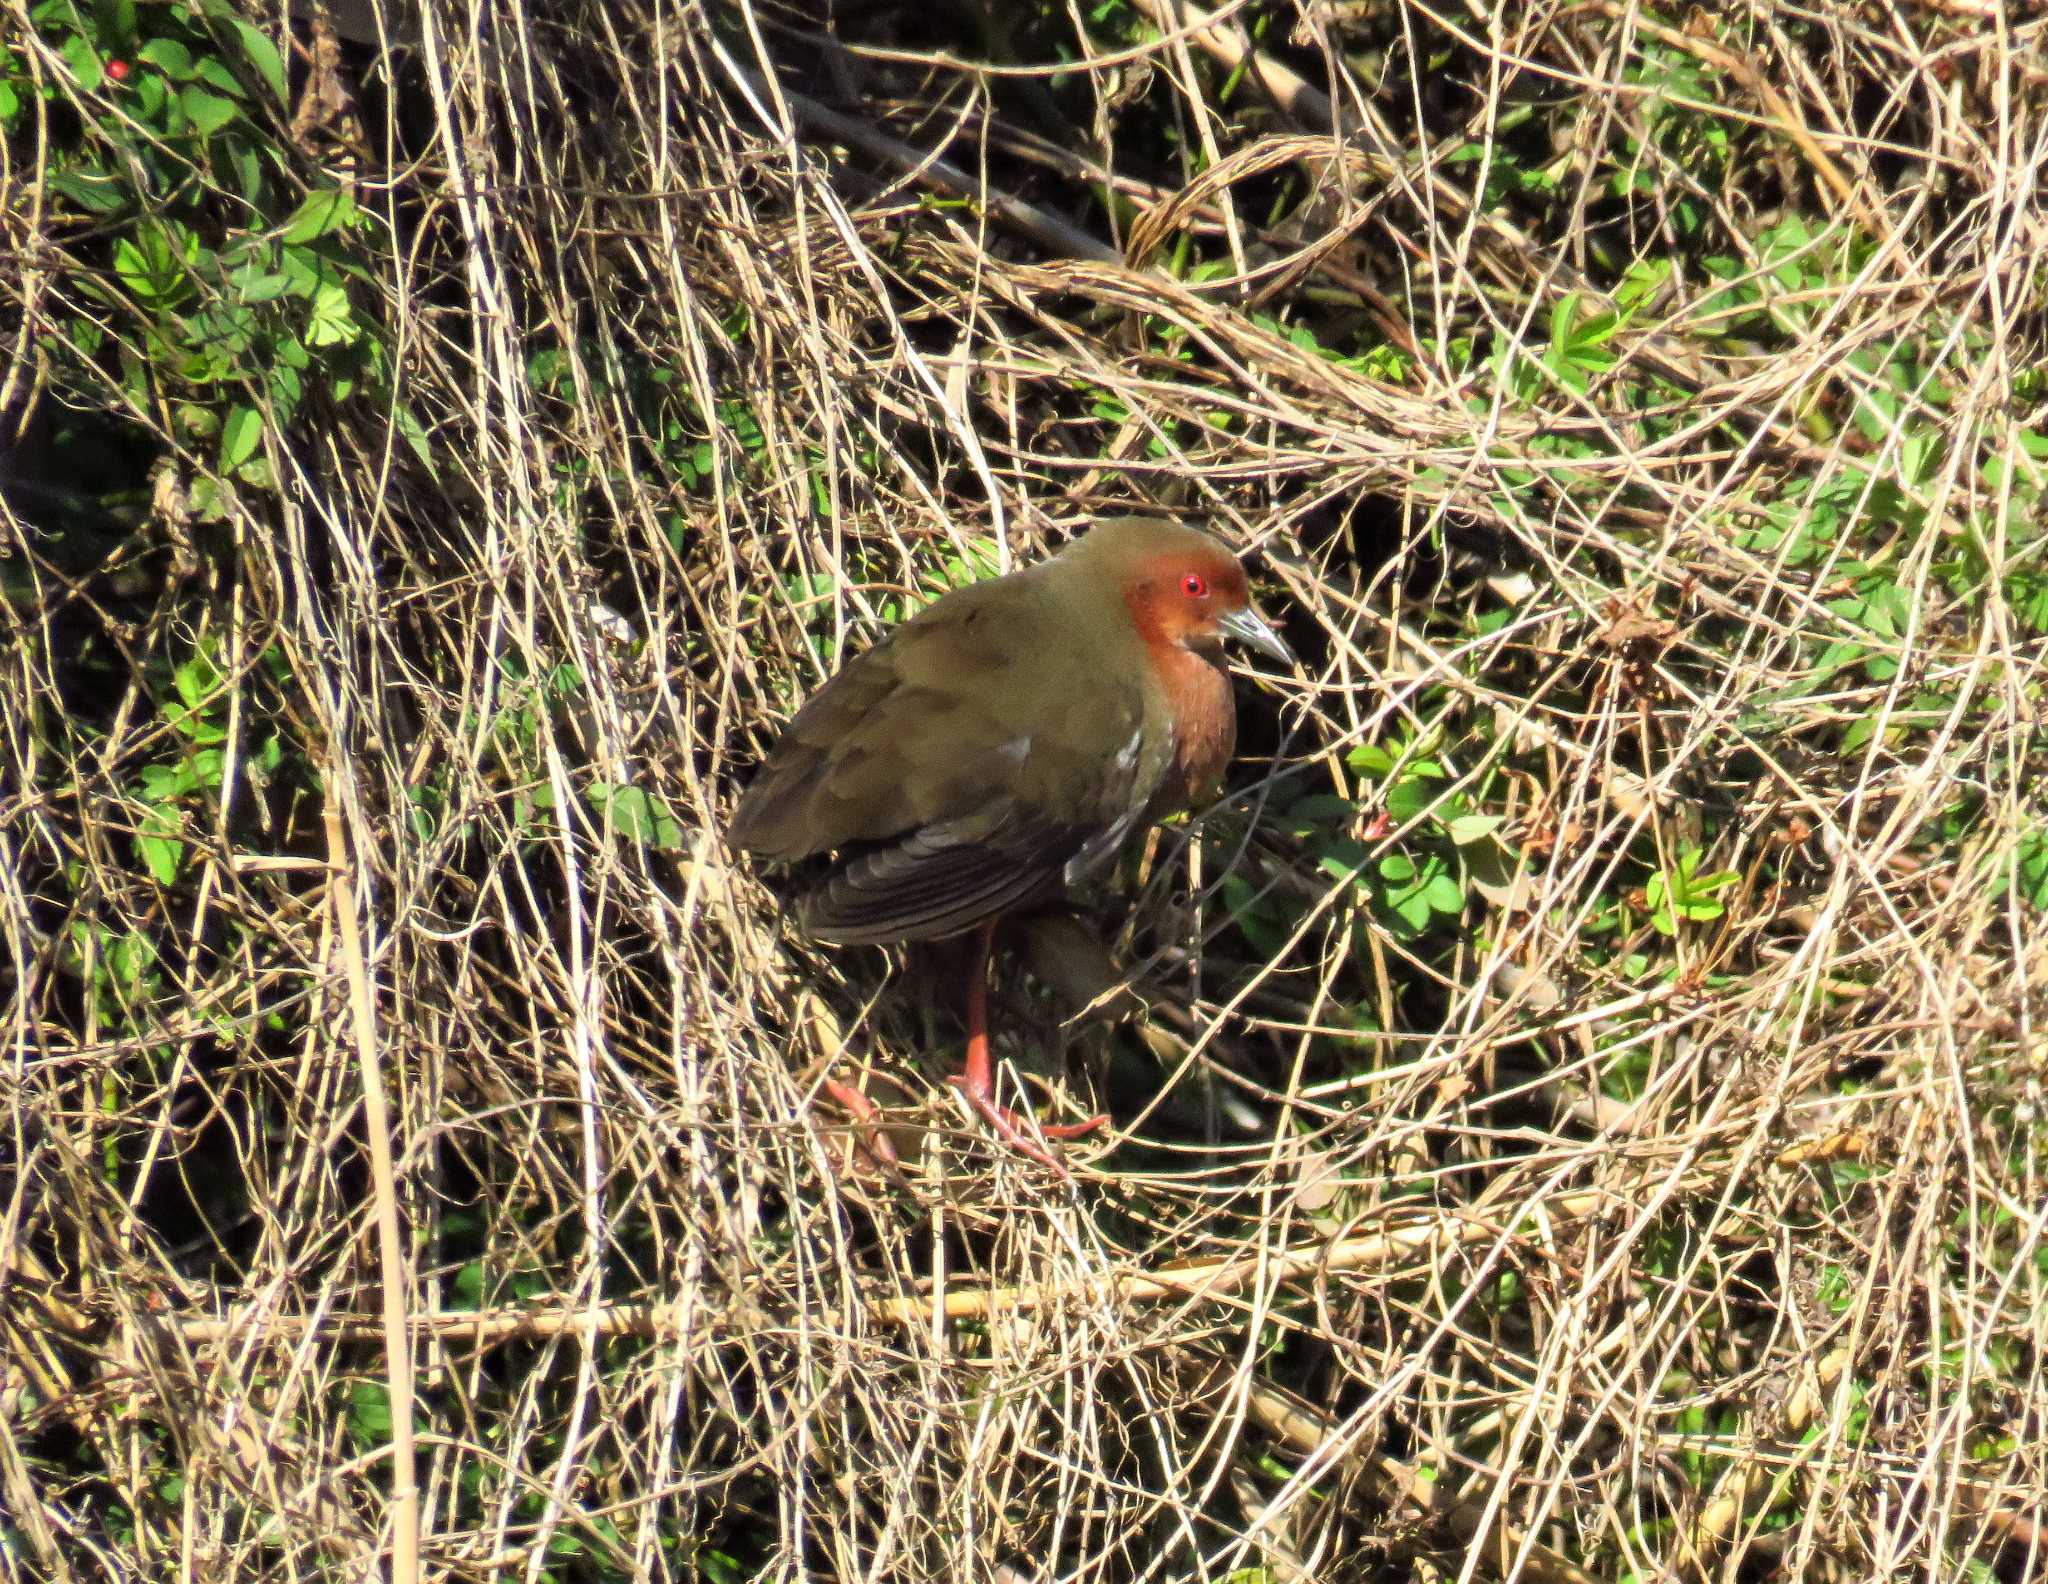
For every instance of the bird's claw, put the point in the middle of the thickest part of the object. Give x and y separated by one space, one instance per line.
1016 1130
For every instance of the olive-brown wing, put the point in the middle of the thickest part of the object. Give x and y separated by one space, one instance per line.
956 770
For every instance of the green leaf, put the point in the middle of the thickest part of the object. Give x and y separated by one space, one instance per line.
1643 280
1253 915
130 957
1917 456
640 816
1418 891
1409 797
207 112
209 500
262 54
415 435
241 154
2028 596
326 210
1562 313
150 97
1469 828
1370 759
161 856
306 271
1319 808
137 270
93 191
84 62
1342 860
196 679
162 783
467 1291
214 72
287 390
370 1413
239 437
153 262
333 322
116 21
168 56
1443 894
2031 860
254 284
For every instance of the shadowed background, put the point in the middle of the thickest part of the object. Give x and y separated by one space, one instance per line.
1577 1089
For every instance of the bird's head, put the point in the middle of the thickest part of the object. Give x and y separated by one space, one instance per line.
1180 586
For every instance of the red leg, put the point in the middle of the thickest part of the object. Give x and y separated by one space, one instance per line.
867 1116
977 1078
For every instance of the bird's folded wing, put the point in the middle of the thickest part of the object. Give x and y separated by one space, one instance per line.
955 776
939 880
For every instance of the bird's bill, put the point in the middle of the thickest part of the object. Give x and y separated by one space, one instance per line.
1248 626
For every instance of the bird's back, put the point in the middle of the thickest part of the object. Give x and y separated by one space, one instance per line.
965 762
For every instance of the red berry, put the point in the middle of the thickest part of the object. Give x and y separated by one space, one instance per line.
118 70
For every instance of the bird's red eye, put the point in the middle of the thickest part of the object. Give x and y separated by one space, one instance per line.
1194 585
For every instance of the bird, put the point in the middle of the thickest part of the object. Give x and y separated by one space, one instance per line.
999 747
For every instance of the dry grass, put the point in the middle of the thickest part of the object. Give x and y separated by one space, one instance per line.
426 1131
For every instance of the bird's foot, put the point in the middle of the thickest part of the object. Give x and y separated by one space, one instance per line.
1016 1131
871 1134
